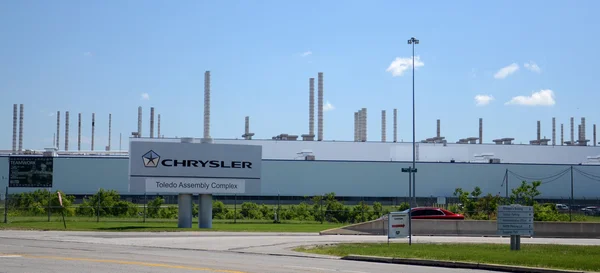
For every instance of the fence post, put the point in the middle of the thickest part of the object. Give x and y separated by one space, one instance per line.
145 202
98 208
571 206
6 206
322 214
49 201
235 209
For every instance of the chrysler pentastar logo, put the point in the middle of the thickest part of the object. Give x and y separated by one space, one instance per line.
151 159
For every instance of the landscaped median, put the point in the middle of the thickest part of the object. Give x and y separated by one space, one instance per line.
499 257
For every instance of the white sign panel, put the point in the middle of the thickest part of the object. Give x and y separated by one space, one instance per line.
515 220
195 185
196 163
397 224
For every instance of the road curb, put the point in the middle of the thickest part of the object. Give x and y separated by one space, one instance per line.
462 265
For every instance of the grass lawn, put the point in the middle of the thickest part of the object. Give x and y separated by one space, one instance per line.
546 256
136 224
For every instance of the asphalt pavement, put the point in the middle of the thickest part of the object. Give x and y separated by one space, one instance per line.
66 252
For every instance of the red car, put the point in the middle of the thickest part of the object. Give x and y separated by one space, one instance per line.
434 213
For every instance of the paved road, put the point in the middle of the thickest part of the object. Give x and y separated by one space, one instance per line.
66 252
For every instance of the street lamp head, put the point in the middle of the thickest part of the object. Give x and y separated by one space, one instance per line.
413 40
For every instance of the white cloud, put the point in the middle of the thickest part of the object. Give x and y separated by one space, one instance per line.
399 65
328 107
506 71
533 67
482 100
145 96
542 98
306 54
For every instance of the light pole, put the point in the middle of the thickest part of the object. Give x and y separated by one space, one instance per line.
413 41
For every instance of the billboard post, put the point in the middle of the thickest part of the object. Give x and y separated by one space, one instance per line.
189 167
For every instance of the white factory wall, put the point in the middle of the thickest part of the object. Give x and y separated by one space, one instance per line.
427 152
346 178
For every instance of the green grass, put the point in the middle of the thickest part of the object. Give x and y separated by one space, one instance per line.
546 256
155 225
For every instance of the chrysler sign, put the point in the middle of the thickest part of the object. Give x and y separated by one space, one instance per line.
152 160
190 164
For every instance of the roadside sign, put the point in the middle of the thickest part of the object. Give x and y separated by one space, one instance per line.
398 225
515 220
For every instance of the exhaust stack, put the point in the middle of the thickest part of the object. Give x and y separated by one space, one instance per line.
93 129
14 136
553 131
480 130
66 130
139 132
438 133
151 122
572 131
320 105
356 126
158 127
562 135
395 125
57 130
21 117
595 135
364 124
311 107
207 104
79 132
383 129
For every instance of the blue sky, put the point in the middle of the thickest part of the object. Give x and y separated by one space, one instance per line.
101 56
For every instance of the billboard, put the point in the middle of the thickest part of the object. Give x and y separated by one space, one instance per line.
30 172
174 167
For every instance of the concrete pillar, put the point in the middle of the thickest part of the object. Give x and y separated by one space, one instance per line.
205 211
184 201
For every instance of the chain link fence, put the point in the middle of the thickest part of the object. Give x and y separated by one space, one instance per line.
108 205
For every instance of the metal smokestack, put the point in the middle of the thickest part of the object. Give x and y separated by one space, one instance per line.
151 122
364 124
109 131
583 129
14 137
79 132
158 127
139 122
572 131
311 107
320 105
356 119
246 126
562 134
93 129
553 131
595 135
207 104
359 132
21 117
383 129
480 130
539 130
395 125
438 133
58 130
66 130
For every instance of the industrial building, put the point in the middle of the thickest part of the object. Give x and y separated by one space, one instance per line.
313 165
